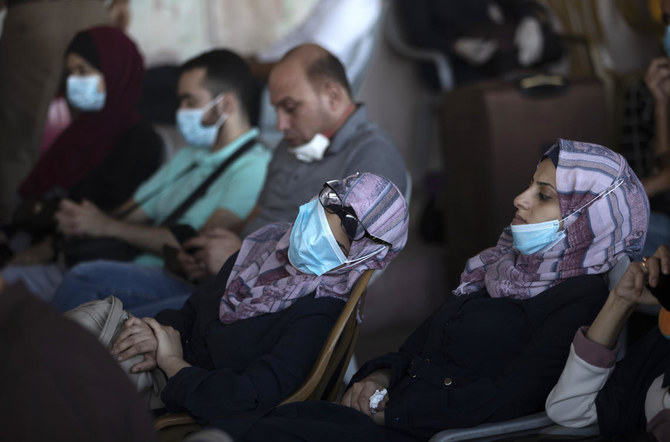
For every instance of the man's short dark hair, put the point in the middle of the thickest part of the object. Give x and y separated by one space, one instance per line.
225 71
328 67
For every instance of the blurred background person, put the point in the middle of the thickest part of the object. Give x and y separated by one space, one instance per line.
34 37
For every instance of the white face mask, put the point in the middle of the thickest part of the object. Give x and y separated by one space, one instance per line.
311 150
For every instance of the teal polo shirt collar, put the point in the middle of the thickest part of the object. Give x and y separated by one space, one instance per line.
205 157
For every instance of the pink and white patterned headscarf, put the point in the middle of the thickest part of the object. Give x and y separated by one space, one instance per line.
264 281
597 236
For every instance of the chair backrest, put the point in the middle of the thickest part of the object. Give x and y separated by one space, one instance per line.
325 379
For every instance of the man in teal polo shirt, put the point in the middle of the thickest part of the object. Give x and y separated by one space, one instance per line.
216 93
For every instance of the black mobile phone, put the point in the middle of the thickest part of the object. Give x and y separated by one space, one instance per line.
662 290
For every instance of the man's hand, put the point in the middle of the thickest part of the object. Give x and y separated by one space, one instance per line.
214 247
82 219
631 286
136 338
170 355
358 396
657 79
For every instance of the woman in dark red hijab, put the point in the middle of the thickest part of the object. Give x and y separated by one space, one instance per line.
107 151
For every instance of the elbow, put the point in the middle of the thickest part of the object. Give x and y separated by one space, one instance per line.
567 415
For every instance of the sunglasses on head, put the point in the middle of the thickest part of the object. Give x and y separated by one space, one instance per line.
352 226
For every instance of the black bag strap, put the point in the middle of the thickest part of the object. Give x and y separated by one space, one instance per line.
202 189
156 192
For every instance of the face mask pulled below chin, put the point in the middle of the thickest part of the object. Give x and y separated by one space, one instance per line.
533 238
313 150
189 122
312 245
82 92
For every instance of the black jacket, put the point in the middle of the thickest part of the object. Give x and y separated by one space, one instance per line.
481 359
249 365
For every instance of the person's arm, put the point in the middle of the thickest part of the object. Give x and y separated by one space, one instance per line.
137 336
382 372
657 79
658 183
262 384
358 395
592 355
213 248
86 219
221 218
572 400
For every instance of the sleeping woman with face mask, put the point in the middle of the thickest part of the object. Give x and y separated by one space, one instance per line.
496 347
247 339
108 150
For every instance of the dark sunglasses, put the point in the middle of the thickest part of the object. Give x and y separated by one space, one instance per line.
352 226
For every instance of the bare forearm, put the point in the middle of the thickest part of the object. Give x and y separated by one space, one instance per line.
610 321
148 238
222 218
656 184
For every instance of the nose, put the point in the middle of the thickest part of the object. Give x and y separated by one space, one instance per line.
282 121
522 200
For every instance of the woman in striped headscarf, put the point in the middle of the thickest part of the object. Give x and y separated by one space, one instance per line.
247 339
495 349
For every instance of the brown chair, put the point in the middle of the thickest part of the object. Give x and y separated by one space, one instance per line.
324 382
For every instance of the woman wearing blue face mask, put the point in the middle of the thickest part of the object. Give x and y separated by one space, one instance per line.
496 347
108 150
246 340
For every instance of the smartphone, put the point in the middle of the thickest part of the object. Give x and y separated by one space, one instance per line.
662 290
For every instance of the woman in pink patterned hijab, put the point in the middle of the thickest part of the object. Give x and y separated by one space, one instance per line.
604 213
265 280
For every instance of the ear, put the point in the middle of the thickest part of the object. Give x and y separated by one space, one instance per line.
228 104
334 94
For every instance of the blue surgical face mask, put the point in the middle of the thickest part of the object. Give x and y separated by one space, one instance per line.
536 237
312 245
190 125
82 92
666 41
531 238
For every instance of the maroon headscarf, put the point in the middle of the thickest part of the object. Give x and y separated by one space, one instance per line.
92 136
